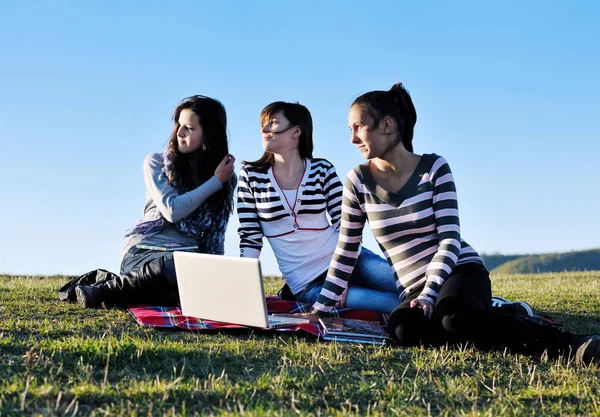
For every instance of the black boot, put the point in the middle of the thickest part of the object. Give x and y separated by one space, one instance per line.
585 349
90 296
126 288
524 335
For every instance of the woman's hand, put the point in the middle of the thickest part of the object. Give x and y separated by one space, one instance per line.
225 169
425 305
342 302
312 317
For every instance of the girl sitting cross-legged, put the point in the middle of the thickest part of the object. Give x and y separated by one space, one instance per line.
410 203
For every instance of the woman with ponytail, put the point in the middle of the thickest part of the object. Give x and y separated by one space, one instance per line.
189 198
410 203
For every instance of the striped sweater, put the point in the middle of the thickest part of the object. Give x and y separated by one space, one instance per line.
417 229
264 212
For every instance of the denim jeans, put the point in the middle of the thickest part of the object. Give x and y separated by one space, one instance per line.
372 285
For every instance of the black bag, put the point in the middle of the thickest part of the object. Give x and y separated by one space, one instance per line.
95 277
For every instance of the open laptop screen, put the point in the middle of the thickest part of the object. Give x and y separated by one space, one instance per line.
226 289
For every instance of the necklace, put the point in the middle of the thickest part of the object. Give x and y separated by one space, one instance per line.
297 179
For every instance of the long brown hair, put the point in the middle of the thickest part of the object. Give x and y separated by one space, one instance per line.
191 170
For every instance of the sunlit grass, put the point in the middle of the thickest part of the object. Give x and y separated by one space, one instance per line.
58 359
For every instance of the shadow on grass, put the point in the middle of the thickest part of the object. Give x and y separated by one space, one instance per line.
576 323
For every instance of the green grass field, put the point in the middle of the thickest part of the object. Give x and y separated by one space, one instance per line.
58 359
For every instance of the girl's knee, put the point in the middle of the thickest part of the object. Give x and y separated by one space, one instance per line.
404 326
462 323
452 323
406 335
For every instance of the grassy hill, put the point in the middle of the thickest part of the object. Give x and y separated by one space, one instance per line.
58 359
494 260
588 260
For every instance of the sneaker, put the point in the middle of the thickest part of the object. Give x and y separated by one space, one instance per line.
587 349
512 307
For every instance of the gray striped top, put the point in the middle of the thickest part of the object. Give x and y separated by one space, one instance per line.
417 229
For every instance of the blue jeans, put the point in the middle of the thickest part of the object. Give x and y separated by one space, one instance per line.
372 285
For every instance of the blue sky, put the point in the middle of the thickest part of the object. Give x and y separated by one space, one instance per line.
506 91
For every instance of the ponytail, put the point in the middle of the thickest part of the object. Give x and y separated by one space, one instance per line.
395 103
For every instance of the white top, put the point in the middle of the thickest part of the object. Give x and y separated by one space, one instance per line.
304 255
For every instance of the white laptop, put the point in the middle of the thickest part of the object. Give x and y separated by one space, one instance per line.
226 289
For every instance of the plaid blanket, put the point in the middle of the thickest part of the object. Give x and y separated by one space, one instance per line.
157 316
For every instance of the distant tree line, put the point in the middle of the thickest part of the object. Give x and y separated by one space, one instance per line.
587 260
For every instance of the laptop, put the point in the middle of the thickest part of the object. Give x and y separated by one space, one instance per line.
226 289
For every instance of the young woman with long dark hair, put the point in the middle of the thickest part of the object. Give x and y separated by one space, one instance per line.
189 198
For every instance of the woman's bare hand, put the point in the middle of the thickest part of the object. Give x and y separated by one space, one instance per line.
312 317
225 170
342 302
425 305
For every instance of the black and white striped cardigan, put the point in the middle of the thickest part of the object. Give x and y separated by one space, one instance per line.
264 211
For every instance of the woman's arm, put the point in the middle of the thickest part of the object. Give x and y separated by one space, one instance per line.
169 202
250 230
333 191
347 250
445 208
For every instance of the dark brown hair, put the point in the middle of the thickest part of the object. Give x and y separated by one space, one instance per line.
298 115
395 103
193 169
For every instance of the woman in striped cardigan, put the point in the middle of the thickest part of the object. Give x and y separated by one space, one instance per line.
286 196
410 203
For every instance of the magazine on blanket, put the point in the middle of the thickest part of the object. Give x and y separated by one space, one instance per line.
167 247
353 330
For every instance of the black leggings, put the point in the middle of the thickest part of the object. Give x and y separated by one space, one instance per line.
463 314
136 258
151 275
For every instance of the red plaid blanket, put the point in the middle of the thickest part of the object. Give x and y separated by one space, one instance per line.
156 316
